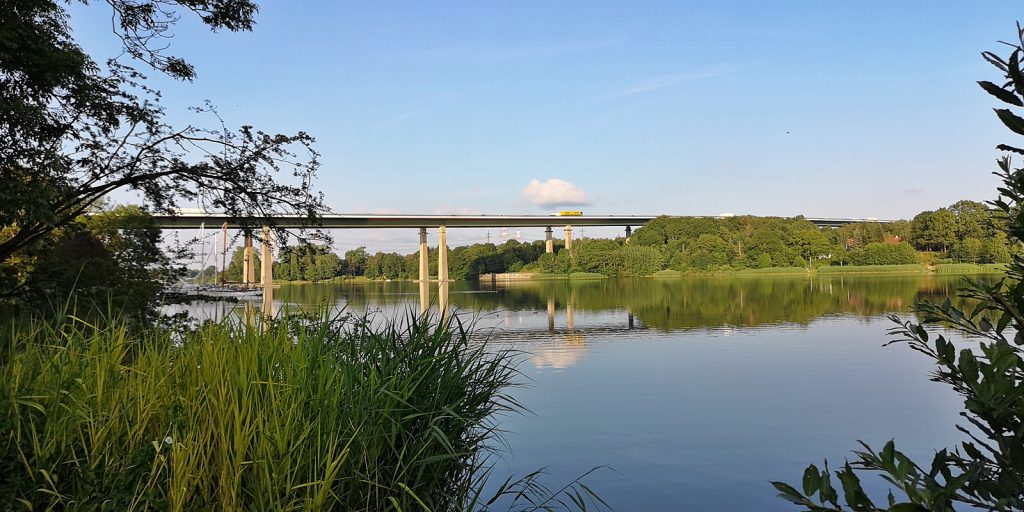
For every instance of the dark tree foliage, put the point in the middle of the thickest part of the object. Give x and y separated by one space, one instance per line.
110 259
73 131
986 471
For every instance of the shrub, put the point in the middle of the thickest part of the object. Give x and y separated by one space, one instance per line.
885 254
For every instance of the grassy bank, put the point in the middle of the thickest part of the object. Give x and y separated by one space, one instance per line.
326 416
969 268
771 270
573 276
874 269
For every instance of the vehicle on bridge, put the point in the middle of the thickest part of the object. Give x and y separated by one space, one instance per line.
570 213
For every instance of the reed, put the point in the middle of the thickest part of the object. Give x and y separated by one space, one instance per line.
326 415
970 268
912 268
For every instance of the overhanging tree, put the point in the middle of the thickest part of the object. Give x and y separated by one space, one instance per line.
73 131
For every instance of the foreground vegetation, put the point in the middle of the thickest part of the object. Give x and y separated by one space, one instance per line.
985 471
313 415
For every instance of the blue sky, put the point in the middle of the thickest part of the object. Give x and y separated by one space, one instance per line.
821 108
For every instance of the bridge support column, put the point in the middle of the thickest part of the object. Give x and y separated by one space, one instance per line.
568 237
424 297
442 254
224 257
267 272
629 233
424 257
549 244
442 299
248 262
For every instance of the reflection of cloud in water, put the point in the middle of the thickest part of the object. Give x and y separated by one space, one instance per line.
561 355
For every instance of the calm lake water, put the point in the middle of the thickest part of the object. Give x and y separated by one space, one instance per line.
696 392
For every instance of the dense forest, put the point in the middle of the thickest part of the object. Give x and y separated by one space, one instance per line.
965 232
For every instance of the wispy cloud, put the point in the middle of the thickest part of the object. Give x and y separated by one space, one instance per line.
512 52
402 119
672 80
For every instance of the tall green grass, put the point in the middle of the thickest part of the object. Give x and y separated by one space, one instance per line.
969 268
912 268
773 270
300 416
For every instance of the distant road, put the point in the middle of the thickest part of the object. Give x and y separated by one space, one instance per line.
191 220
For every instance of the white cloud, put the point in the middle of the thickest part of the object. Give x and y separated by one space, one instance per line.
554 192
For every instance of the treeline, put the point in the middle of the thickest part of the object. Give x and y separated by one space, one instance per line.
965 232
311 262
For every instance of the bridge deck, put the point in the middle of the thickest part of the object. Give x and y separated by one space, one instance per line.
185 221
336 221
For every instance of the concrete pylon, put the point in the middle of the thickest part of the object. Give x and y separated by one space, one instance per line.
549 243
267 271
568 237
629 233
442 254
442 299
424 297
248 262
424 257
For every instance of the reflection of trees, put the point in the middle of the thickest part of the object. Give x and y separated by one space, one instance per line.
663 304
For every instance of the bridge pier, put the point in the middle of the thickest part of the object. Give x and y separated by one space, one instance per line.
248 262
267 272
442 254
568 237
442 299
224 258
629 233
549 243
424 296
424 257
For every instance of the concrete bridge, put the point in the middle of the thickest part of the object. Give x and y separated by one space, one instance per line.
187 219
191 220
194 219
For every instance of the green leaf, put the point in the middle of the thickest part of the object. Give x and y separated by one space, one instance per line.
1013 71
787 492
968 366
1003 322
985 324
827 492
1000 93
811 480
1011 120
852 491
921 332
